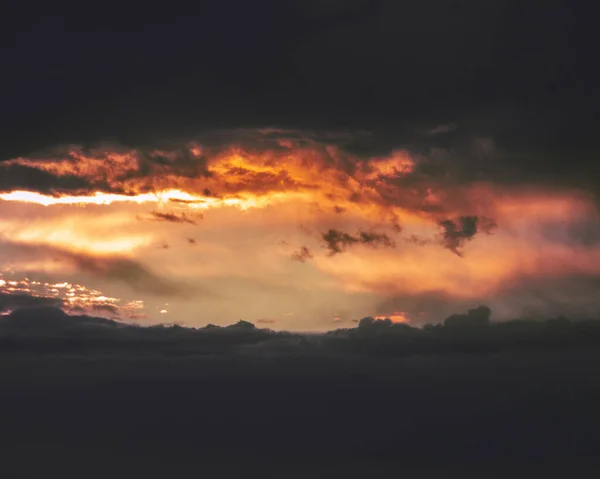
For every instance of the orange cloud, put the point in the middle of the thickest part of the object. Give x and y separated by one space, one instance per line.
253 196
233 176
92 234
71 297
395 317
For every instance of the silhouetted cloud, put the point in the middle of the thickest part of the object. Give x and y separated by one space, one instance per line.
457 232
338 241
479 316
174 218
9 301
302 255
31 321
462 333
106 308
242 325
459 395
30 178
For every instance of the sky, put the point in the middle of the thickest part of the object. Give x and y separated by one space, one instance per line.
301 165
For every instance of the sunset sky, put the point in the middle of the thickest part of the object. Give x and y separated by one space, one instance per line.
354 159
300 238
292 230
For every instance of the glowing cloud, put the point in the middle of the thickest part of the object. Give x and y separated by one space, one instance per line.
273 196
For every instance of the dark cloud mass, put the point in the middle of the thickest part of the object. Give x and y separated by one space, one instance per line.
338 241
32 179
10 301
451 389
49 321
483 68
457 232
479 316
472 332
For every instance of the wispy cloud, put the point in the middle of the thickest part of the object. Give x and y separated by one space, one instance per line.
175 218
338 241
302 255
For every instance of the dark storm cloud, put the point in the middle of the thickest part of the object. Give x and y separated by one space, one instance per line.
479 316
338 241
471 332
179 160
46 320
52 323
105 166
349 64
426 307
460 409
19 177
10 301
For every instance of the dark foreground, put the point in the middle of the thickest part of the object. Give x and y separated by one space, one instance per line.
506 414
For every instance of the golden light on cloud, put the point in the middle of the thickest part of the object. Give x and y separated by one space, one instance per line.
72 297
395 317
76 233
250 222
160 197
75 297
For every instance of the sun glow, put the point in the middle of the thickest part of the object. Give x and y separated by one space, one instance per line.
396 317
159 197
178 214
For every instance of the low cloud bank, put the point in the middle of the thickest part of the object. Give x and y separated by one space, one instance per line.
49 329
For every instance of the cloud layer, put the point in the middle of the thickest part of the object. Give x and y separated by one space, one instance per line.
278 209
